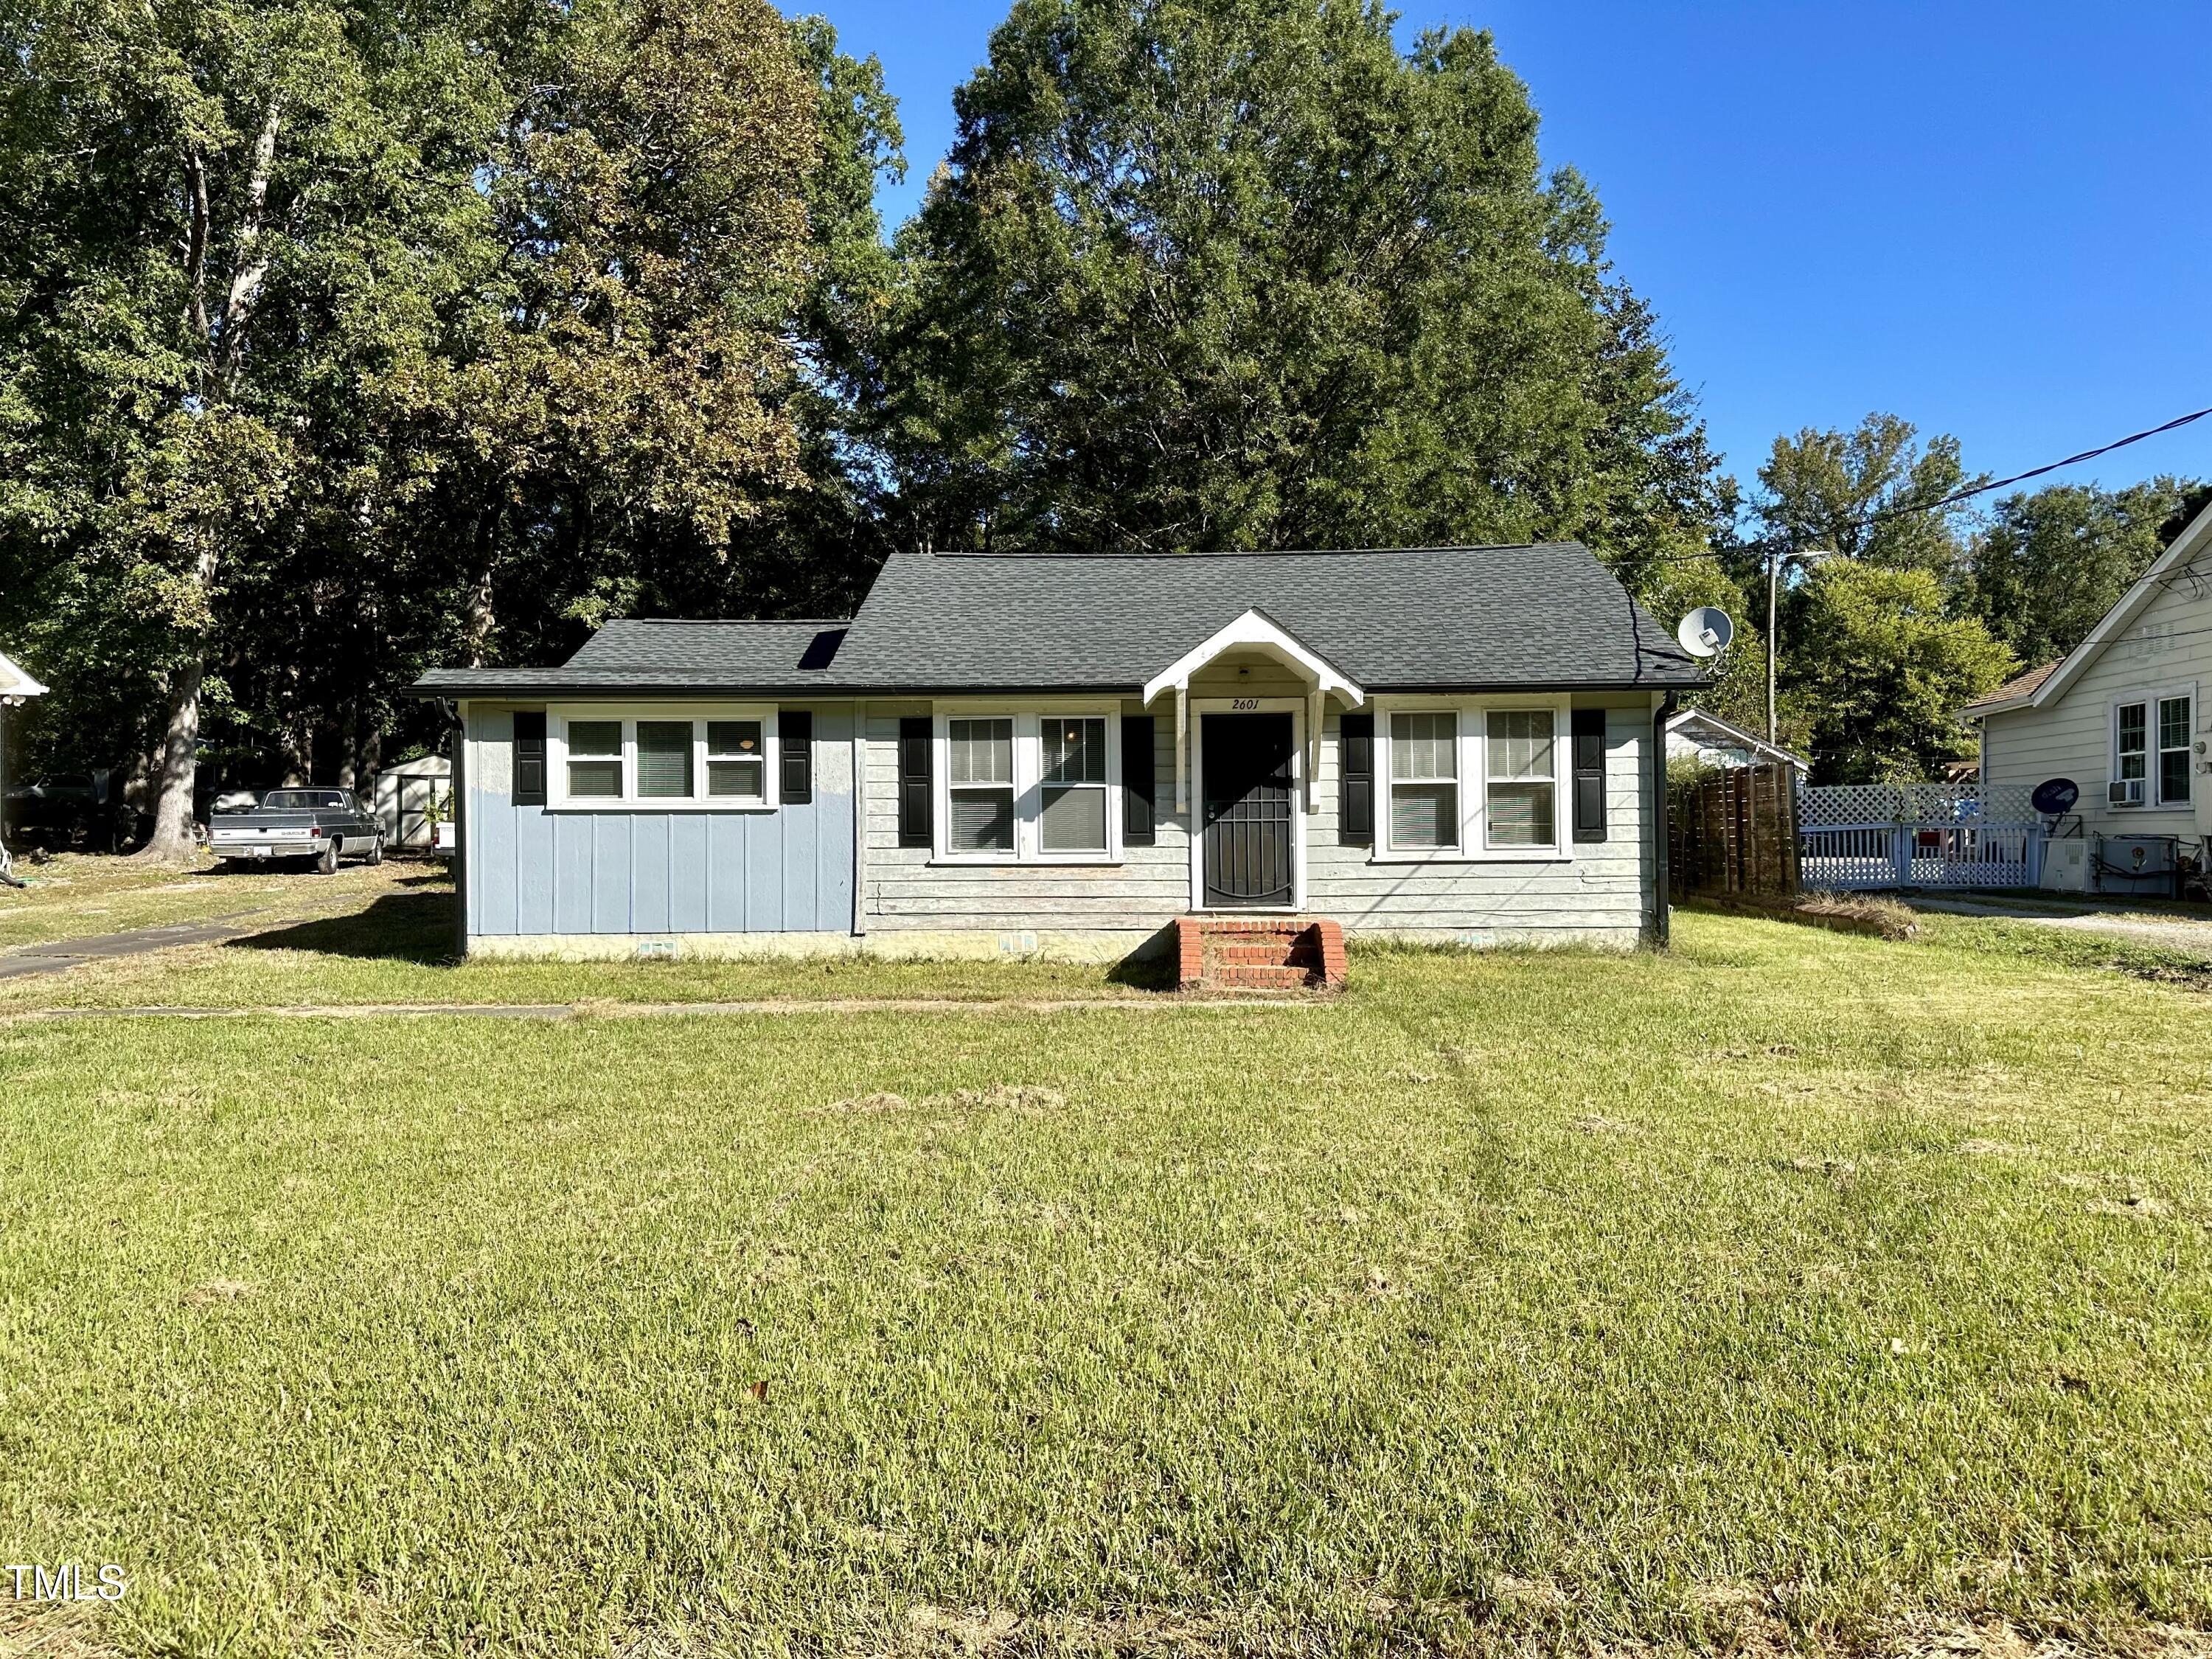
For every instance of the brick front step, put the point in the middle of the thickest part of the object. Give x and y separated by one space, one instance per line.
1247 976
1275 951
1274 954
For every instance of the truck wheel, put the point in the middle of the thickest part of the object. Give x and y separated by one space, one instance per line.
376 849
326 861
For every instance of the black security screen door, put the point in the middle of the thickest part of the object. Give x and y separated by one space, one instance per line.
1246 793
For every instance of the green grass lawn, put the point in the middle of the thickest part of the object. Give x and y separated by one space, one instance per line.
72 894
1788 1287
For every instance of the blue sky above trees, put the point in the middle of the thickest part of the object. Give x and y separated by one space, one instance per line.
1991 220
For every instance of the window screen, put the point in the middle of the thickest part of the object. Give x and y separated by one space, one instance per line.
2174 750
1073 818
1423 780
595 758
2134 740
1522 770
664 760
980 782
736 760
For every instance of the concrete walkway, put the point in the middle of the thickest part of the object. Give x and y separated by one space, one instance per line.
52 958
2190 935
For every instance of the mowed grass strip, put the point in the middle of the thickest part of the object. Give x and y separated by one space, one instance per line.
1791 1280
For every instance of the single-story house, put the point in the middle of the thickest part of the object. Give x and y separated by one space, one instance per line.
1699 735
2122 714
1062 755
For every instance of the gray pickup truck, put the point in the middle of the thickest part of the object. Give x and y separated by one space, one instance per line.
322 824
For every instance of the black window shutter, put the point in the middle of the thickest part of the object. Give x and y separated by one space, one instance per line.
794 732
1355 791
530 758
1590 773
913 793
1140 773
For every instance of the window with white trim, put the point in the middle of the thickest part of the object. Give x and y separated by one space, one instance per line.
1465 780
2173 739
2152 735
595 759
981 783
1425 780
1019 786
717 757
736 760
1521 779
1072 809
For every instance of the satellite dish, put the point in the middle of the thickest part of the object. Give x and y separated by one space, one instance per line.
1705 632
2055 796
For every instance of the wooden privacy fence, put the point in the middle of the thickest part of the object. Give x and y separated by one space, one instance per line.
1735 831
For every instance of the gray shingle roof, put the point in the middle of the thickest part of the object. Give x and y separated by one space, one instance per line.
667 656
1475 618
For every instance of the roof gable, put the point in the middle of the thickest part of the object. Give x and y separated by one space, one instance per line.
2195 539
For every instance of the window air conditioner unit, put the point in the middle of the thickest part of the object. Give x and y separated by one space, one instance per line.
2124 792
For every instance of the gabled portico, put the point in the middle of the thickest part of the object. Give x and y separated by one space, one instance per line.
1246 754
1253 634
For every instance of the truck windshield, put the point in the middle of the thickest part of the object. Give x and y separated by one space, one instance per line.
301 800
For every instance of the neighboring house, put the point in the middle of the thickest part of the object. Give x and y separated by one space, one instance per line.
16 688
1694 734
1063 754
2122 714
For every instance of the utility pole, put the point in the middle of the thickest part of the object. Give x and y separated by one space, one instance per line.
1774 558
1773 581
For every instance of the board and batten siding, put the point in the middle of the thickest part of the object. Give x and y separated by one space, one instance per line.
2167 649
536 873
1602 895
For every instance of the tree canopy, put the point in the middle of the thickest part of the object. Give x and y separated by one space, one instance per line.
342 338
1220 273
2049 564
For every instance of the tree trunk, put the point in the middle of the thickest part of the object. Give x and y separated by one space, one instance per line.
175 777
178 773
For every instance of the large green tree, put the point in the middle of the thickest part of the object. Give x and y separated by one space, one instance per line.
1879 669
2051 563
340 335
1867 493
1210 273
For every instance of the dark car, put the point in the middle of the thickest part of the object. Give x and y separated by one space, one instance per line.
322 824
69 809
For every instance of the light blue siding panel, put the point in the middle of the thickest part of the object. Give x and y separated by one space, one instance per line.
534 870
490 821
649 871
764 911
572 872
725 873
802 844
687 872
613 844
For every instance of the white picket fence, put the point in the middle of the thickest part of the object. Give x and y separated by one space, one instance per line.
1917 834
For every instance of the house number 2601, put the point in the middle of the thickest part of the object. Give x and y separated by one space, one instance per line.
1244 705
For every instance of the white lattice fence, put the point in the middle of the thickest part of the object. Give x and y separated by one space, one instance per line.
1917 834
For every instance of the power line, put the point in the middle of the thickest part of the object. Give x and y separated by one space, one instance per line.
1865 520
1957 495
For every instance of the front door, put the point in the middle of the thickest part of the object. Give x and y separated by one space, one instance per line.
1246 801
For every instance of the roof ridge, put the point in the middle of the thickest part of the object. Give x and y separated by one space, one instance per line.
734 621
1250 552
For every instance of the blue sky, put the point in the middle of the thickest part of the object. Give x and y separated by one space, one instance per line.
1991 220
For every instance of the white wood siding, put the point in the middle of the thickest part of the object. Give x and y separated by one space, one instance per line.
1601 895
2168 647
